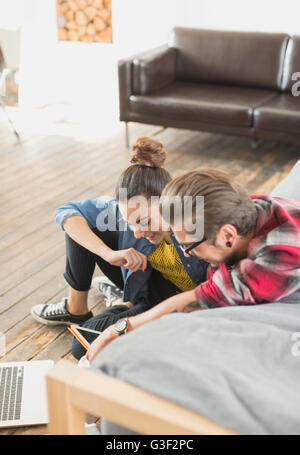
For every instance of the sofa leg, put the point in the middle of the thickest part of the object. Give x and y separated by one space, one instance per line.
127 138
255 143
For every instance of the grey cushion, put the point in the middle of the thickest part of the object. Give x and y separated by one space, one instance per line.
289 187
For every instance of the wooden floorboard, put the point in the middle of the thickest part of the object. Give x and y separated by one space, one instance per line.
43 172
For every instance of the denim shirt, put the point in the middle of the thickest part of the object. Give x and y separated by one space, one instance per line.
97 213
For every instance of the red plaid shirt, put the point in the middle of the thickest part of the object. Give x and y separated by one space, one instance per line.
271 271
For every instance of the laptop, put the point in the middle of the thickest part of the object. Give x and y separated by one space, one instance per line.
23 397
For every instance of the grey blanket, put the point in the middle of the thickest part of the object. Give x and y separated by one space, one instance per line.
238 366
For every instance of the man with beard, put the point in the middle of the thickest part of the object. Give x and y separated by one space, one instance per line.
252 244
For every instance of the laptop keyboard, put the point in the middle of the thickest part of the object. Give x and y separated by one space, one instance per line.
11 386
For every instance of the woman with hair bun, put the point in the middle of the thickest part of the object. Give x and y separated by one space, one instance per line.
142 263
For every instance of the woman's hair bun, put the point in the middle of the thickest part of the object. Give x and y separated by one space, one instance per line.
148 150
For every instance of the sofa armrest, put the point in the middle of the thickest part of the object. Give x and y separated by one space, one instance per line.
144 73
125 87
154 70
72 392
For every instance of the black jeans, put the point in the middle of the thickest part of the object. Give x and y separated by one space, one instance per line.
80 266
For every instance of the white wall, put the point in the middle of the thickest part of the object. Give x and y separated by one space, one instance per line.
10 45
11 13
256 15
85 74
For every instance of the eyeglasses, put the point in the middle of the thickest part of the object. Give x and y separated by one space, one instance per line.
191 247
142 223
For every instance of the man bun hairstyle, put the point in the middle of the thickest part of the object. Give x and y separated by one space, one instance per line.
148 150
146 176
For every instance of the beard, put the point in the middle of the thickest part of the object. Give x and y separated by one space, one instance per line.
232 259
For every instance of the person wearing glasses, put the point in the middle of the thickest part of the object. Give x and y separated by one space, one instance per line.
140 258
252 244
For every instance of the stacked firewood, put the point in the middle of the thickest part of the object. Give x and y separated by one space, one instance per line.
84 20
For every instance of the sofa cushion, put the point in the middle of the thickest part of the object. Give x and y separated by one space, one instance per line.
210 103
225 57
292 63
289 187
280 113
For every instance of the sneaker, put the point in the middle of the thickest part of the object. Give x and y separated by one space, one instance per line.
57 314
108 288
83 362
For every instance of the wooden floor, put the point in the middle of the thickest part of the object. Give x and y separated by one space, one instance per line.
41 173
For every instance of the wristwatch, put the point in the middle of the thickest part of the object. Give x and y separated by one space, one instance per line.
122 326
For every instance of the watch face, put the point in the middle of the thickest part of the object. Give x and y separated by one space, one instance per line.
121 325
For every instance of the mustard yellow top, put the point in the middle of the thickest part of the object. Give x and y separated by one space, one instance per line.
165 259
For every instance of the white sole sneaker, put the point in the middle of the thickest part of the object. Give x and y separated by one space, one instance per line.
57 314
108 288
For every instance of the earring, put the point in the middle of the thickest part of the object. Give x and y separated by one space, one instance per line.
228 244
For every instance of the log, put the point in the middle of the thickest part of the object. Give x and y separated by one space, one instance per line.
59 10
104 14
82 4
71 25
81 30
62 34
105 36
91 12
87 38
90 30
73 35
69 15
72 5
99 24
81 18
98 4
63 8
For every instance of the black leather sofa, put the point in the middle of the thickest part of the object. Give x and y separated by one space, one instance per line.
237 83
